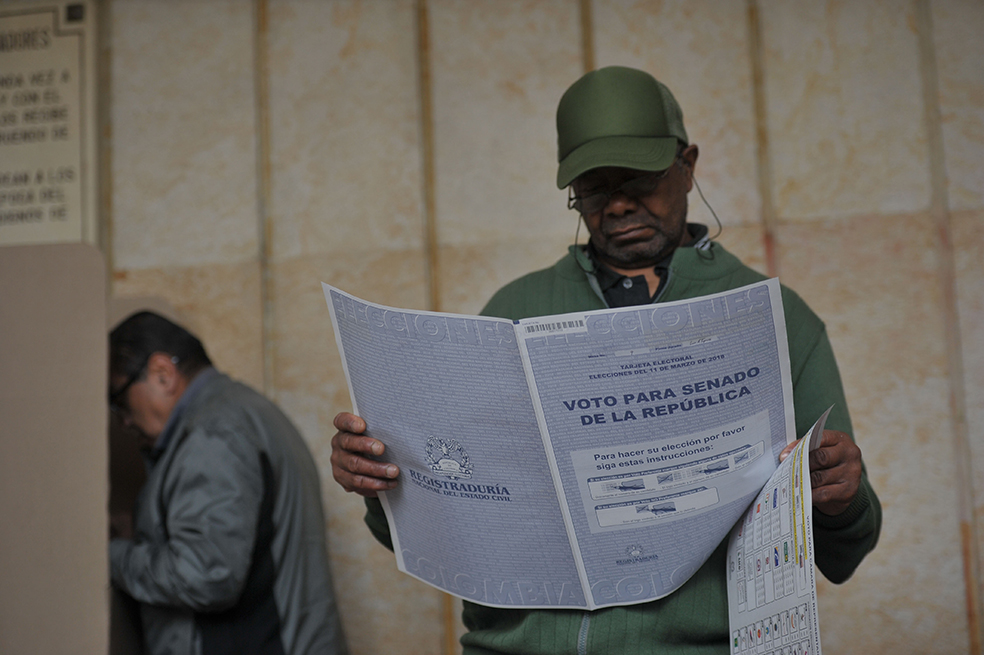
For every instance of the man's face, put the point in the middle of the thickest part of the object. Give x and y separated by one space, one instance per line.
145 405
640 223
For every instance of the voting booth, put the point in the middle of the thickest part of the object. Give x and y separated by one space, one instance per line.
53 450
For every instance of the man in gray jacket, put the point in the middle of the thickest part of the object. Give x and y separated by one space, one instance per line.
227 552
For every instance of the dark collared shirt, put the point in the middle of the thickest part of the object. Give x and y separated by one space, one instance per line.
624 291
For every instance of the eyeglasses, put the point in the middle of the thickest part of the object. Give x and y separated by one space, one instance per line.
117 399
639 187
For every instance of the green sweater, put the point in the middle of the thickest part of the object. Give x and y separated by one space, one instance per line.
694 619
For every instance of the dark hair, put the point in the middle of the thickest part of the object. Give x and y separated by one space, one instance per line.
132 342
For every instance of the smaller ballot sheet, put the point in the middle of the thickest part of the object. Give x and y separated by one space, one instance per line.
772 588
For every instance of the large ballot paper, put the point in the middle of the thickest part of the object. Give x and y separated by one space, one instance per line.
582 460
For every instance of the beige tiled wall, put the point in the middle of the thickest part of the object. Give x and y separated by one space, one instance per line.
183 171
498 69
702 52
345 208
956 29
845 108
958 26
896 385
216 215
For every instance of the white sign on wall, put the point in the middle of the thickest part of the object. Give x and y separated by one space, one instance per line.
48 165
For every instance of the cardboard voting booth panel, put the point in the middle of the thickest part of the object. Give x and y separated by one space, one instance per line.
53 464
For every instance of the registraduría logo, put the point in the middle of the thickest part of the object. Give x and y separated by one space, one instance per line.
636 554
448 459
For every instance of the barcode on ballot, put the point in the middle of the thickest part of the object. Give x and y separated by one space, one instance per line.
551 327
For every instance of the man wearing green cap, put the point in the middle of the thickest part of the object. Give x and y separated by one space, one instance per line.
627 161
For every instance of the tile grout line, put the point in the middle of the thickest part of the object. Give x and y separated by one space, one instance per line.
261 93
431 247
587 36
940 212
763 163
425 91
104 167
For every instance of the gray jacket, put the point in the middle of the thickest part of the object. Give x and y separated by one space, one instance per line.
229 551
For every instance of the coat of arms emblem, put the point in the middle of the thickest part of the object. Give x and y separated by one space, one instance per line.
447 458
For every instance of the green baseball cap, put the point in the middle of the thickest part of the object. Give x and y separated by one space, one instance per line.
617 116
